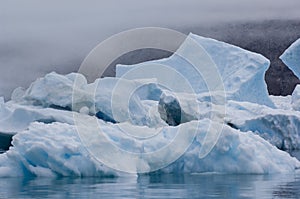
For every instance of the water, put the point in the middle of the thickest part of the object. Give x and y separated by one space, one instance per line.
158 186
207 185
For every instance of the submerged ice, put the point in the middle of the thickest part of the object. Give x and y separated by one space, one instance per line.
145 112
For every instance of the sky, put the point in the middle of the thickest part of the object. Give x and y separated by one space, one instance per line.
37 37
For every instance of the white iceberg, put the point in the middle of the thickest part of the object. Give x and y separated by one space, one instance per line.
101 98
280 127
234 152
56 150
49 150
18 117
291 57
55 123
242 72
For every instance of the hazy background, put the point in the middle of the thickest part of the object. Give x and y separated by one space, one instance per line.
37 37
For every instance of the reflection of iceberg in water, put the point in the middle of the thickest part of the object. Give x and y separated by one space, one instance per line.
46 140
147 186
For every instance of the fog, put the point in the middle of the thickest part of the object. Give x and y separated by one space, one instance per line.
37 37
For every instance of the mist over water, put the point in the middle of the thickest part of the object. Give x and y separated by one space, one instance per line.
38 37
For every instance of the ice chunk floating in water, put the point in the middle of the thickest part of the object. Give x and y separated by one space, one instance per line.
56 150
136 114
50 150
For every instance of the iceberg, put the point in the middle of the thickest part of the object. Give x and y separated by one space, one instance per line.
291 57
234 152
101 98
280 127
144 121
49 150
56 150
242 72
19 117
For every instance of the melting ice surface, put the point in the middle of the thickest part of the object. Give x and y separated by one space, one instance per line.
139 116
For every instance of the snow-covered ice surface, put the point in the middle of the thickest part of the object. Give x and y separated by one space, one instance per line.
291 57
52 120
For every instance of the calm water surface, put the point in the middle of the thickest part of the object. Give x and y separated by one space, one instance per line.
156 186
159 186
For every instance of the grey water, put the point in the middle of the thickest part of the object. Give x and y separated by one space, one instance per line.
208 185
156 186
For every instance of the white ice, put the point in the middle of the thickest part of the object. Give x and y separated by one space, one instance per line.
291 57
280 126
52 120
296 98
101 98
56 150
242 72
